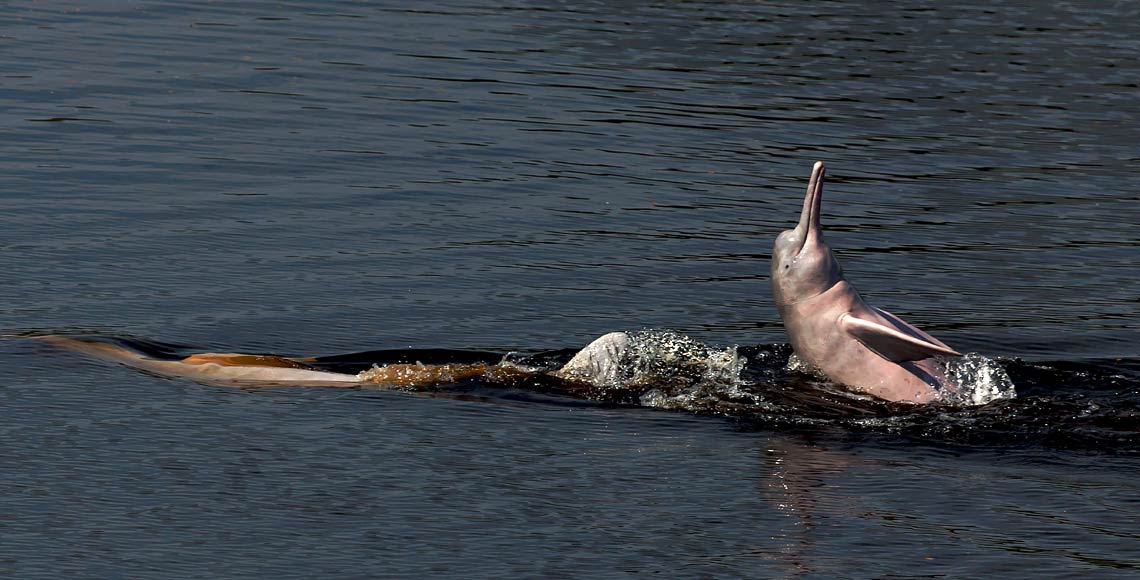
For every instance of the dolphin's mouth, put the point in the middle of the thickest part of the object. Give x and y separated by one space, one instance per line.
808 227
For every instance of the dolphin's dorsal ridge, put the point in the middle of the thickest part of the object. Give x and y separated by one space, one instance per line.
890 343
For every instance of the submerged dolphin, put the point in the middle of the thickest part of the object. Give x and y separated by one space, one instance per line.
216 368
596 364
832 328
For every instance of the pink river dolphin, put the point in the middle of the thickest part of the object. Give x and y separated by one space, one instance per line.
831 328
598 364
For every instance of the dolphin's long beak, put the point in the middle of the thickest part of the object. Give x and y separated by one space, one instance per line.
809 226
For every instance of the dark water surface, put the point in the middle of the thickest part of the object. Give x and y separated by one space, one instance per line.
331 177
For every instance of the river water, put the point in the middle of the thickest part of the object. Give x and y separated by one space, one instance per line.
513 176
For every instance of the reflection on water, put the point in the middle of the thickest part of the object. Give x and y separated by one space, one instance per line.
843 510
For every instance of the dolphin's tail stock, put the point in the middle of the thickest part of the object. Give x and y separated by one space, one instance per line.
215 368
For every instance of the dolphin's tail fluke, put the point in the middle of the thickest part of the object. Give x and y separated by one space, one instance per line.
216 368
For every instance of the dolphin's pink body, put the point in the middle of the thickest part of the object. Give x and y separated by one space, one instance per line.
596 364
214 368
832 328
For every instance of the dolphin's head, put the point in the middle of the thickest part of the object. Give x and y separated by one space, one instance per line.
802 264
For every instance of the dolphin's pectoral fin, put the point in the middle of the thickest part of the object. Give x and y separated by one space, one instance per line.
890 343
908 328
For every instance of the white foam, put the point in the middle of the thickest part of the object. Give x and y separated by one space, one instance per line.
979 379
683 372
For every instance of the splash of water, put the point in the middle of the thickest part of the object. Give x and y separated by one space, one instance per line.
980 380
666 369
799 365
680 372
657 355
